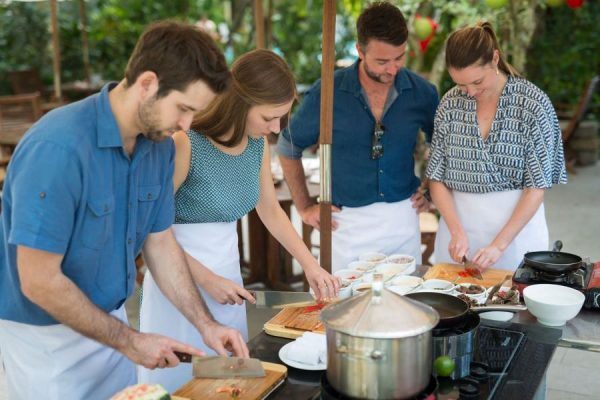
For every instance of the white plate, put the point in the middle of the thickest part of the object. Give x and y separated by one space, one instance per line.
309 367
497 315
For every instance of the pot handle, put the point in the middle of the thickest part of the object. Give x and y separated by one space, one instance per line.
375 355
557 245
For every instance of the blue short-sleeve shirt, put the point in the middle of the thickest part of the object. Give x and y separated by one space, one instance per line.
356 179
71 189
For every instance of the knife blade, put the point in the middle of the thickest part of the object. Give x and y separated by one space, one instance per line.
471 269
223 367
280 299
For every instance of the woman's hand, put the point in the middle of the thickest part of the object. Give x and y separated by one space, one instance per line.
458 247
487 256
226 291
325 285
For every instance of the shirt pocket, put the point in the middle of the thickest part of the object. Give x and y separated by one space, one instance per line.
98 222
147 196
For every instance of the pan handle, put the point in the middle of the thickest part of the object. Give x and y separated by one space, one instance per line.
557 245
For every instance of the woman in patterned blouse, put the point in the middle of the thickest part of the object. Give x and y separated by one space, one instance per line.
496 147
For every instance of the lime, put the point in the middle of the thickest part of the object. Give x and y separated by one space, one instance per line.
444 365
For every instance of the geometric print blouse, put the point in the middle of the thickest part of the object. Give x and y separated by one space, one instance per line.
523 149
219 187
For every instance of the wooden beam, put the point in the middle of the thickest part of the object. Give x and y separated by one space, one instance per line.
55 50
259 22
327 67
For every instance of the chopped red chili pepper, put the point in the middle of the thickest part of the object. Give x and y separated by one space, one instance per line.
316 307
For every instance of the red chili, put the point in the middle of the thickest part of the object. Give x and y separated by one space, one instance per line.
316 307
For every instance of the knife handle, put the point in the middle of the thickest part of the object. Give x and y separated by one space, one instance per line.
183 357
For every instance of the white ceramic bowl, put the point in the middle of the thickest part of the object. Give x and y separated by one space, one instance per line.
348 275
553 305
400 259
345 291
437 285
479 297
372 256
497 315
360 288
362 266
389 270
406 280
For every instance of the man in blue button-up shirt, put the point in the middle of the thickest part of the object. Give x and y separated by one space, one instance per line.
378 109
88 188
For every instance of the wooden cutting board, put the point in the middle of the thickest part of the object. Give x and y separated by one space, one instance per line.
451 271
292 322
252 388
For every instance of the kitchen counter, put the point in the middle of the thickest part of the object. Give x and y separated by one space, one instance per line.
524 376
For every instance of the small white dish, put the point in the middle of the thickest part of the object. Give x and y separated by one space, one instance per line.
372 256
497 315
349 275
362 266
360 288
401 289
480 297
390 270
437 285
406 280
401 259
309 367
345 291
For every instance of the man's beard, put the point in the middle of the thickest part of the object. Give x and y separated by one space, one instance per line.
373 75
149 120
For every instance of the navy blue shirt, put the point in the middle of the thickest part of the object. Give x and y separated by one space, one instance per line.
357 180
71 189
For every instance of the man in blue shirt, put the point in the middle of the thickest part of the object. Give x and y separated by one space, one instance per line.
88 187
379 108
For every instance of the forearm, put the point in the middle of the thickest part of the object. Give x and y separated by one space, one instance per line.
444 202
526 207
296 181
167 263
200 274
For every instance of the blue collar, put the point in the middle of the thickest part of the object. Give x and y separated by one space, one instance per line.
107 130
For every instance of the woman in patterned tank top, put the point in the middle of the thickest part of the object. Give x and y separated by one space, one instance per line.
222 171
496 147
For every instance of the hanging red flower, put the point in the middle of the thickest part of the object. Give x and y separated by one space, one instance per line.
425 42
574 3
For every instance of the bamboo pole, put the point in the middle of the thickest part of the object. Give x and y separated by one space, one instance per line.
84 41
55 50
327 67
259 23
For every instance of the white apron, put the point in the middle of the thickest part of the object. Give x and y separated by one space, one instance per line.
215 245
54 362
482 216
389 228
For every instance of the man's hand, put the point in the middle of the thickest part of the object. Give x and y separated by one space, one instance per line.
223 339
226 291
155 351
311 215
419 202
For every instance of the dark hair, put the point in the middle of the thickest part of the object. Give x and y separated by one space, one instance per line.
179 54
475 45
259 77
381 21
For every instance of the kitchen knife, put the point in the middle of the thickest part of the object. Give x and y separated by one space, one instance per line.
223 367
278 299
472 269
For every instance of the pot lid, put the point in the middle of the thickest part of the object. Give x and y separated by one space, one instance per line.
380 313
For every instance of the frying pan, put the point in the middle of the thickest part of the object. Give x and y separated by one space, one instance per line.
553 261
454 311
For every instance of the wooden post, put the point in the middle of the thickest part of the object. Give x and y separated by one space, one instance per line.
56 50
84 41
327 67
259 22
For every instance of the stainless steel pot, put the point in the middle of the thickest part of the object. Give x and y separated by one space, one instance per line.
379 345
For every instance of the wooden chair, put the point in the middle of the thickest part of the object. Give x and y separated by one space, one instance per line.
429 226
569 126
17 114
28 81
